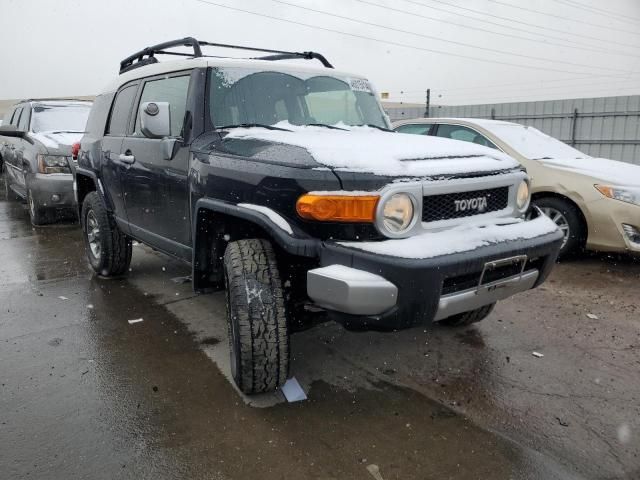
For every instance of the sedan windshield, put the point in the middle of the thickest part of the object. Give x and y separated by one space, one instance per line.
241 96
532 143
60 118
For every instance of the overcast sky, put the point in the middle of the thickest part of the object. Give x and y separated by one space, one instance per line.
466 51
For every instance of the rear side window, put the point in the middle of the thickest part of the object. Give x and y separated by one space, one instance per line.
464 134
119 120
173 90
415 128
23 123
16 116
98 115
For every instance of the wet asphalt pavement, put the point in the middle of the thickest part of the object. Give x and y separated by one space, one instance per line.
86 395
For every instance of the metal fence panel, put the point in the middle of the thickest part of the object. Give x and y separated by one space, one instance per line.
601 127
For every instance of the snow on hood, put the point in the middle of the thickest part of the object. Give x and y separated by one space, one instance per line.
56 140
366 149
602 169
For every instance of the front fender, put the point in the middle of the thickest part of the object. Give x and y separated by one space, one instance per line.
207 229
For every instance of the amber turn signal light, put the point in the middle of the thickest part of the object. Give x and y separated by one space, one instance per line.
338 208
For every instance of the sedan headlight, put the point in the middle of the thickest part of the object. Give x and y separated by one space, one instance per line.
53 164
397 213
523 196
624 194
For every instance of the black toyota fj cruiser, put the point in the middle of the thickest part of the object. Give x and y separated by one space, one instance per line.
282 183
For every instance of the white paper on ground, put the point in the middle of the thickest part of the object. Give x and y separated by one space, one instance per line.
137 320
293 391
537 354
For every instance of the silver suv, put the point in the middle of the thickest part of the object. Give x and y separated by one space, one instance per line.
36 139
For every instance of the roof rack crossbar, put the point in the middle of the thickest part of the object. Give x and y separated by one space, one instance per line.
138 59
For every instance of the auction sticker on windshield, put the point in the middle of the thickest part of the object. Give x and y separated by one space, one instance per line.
360 85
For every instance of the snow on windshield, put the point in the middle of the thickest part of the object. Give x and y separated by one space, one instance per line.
532 143
366 149
60 118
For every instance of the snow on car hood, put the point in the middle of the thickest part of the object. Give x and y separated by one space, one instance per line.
365 149
602 169
56 140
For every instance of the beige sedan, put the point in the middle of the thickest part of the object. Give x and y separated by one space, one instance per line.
595 201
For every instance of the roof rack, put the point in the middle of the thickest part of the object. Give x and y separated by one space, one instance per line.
148 55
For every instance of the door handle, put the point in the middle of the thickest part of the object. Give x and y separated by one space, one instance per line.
127 157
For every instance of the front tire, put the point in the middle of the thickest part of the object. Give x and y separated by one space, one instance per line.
257 320
108 249
567 217
467 318
37 213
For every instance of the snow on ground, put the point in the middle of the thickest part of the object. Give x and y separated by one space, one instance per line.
460 239
366 149
273 216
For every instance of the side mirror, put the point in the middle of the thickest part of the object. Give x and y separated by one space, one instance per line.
155 119
11 131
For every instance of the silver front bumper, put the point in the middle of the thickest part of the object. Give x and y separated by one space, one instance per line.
357 292
477 297
349 290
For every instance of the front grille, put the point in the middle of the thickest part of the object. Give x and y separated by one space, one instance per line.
464 204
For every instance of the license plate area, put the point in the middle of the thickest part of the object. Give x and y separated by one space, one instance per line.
495 271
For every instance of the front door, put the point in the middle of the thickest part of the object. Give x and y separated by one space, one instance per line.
156 188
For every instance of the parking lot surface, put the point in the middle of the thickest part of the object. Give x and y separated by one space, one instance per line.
86 394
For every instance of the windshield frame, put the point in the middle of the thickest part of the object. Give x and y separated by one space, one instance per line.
303 75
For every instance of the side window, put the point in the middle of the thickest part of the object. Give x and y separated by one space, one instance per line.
173 90
119 119
464 134
16 116
415 128
23 123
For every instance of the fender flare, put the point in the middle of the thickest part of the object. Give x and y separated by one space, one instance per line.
298 244
99 188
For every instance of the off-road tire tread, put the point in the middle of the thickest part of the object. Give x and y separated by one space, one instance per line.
116 246
468 318
258 305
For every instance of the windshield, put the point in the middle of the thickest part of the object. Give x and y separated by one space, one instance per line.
532 143
60 118
248 96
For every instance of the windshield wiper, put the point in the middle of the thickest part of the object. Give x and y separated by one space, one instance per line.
249 125
374 126
325 126
68 131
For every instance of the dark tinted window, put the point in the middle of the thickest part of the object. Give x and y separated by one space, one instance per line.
119 120
415 128
173 90
464 134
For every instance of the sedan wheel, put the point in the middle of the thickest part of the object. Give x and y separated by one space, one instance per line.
569 220
560 220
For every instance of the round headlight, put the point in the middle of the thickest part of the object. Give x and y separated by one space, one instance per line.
522 198
397 212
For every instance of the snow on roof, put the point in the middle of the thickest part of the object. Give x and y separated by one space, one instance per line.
203 62
369 150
